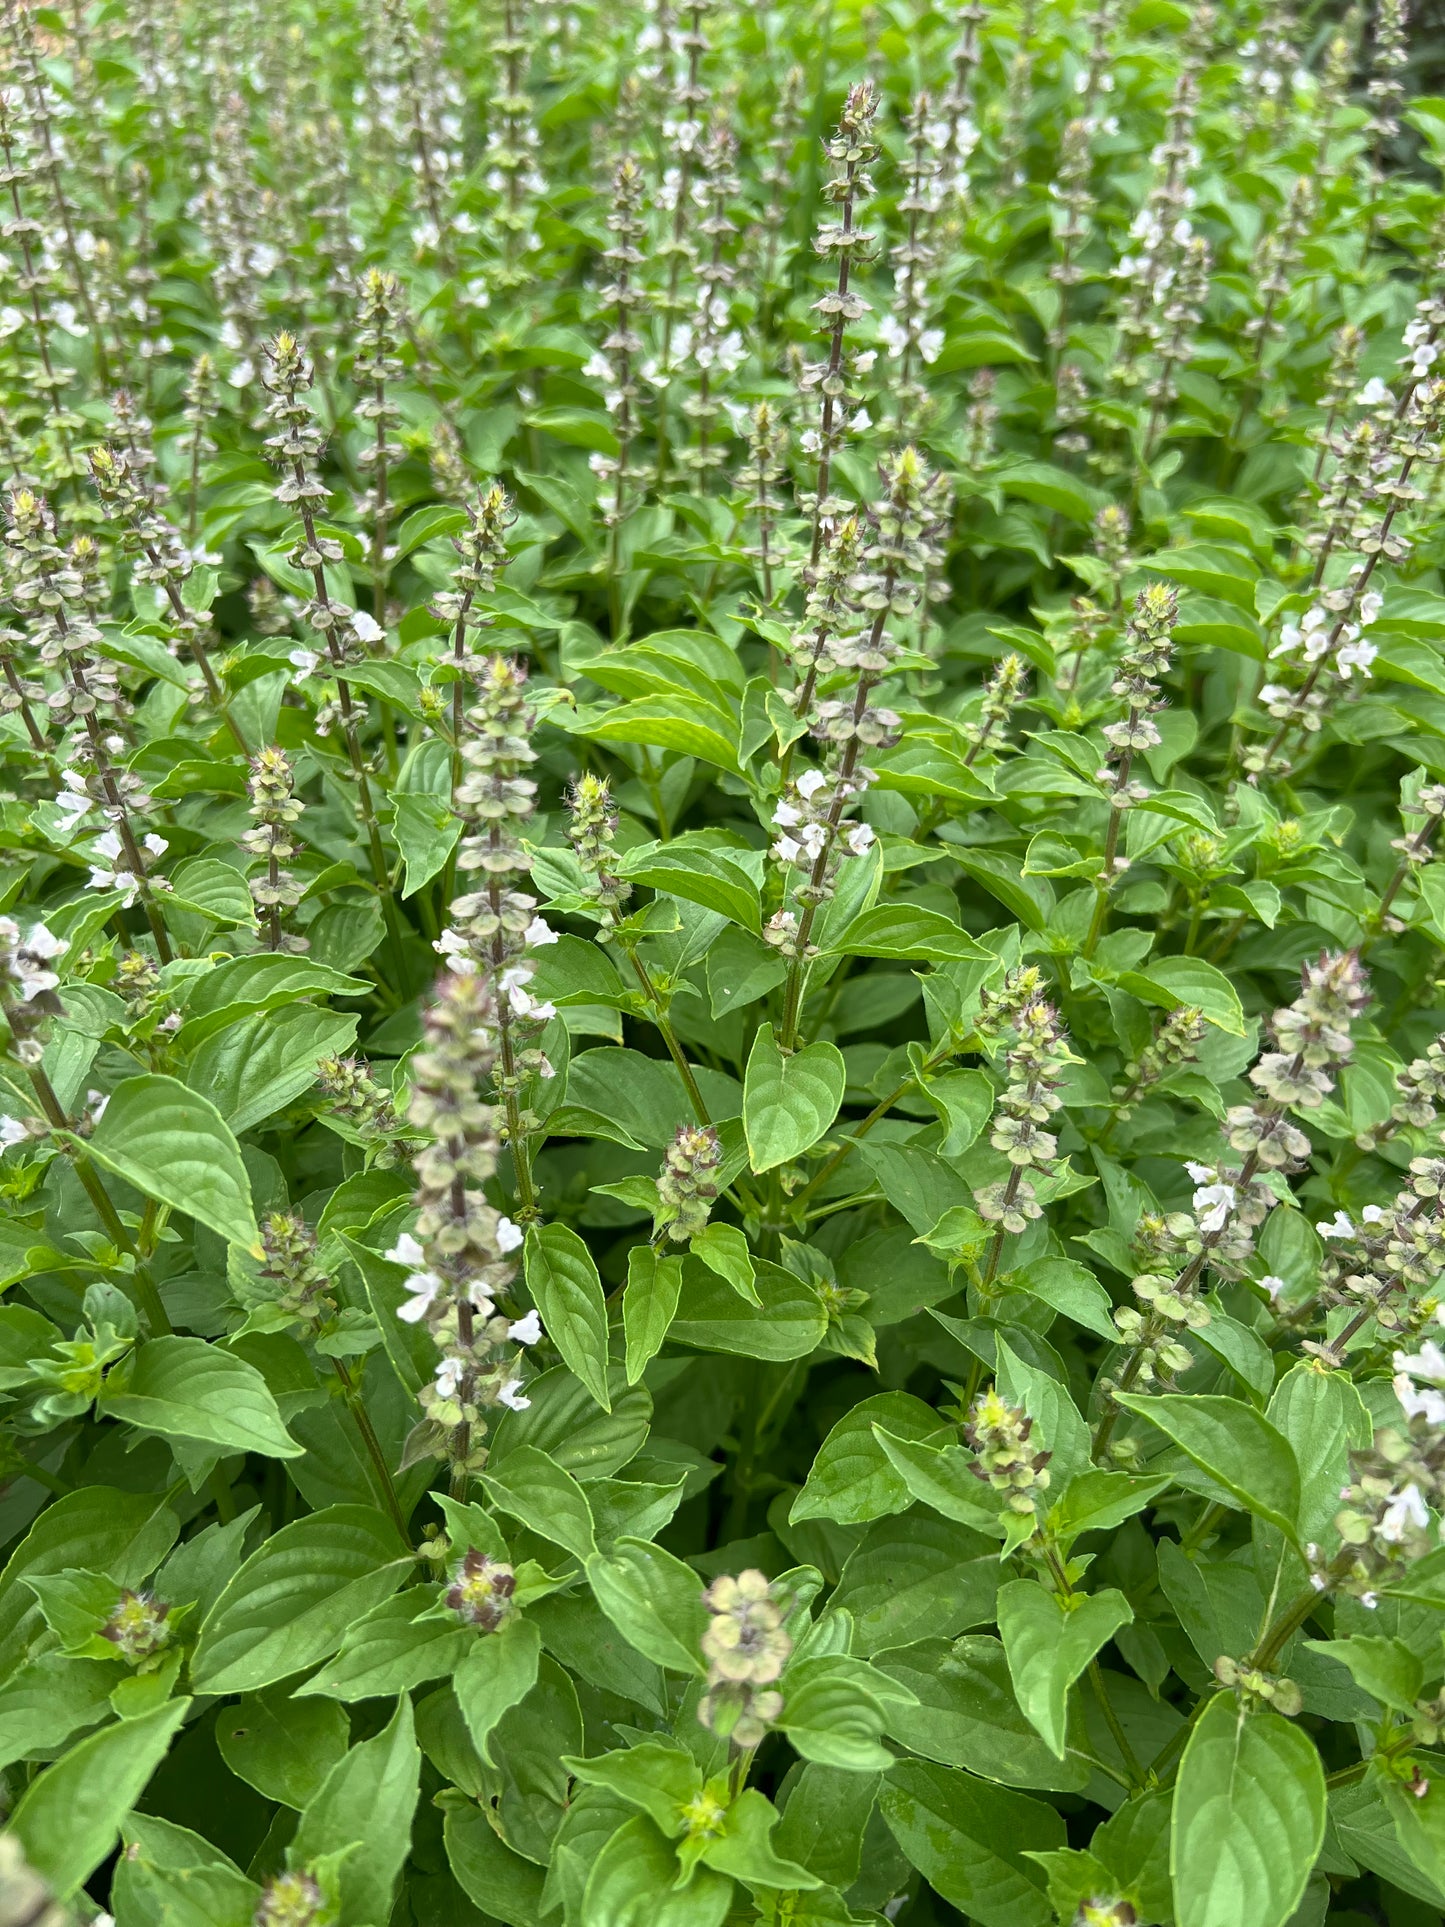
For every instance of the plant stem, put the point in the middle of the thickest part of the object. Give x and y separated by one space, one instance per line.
362 1419
147 1295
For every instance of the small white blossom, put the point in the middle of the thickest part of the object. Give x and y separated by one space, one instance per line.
1403 1510
526 1331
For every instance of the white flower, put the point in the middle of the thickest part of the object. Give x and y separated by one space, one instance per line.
110 875
930 344
422 1284
599 368
524 1004
892 335
1372 1214
74 799
810 782
787 849
1355 655
511 1396
1214 1199
526 1331
366 628
303 659
1369 607
12 1131
1428 1363
1337 1227
539 932
509 1236
1373 394
1274 1285
860 839
449 1377
1404 1509
242 374
787 816
1416 1401
452 945
29 959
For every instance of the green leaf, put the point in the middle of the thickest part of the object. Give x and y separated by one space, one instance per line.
788 1322
943 1477
656 1778
699 872
391 1649
967 1714
426 831
184 1388
789 1102
564 1419
497 1674
969 1840
1070 1288
823 1822
364 1809
917 1578
489 1872
1235 1445
649 1303
292 1602
744 1847
908 930
1098 1501
1322 1417
175 1146
122 1534
70 1818
256 1067
835 1710
562 1278
50 1698
428 525
1386 1668
1249 1818
686 724
532 1487
653 1600
852 1478
1176 981
633 1880
215 890
724 1249
1049 1641
1420 1830
1061 1428
263 982
282 1746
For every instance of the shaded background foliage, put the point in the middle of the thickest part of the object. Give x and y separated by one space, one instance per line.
876 747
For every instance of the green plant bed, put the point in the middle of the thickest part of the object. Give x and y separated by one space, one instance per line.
721 1188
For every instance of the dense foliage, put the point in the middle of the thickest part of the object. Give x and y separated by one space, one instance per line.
722 1195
